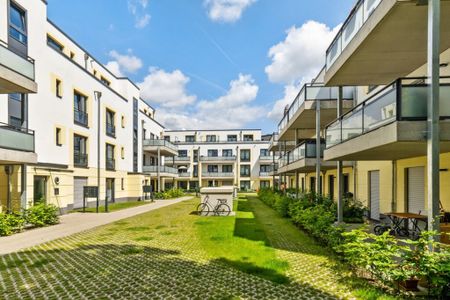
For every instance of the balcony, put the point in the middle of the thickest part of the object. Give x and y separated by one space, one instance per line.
16 72
177 160
165 148
163 171
303 159
184 174
389 125
110 130
110 164
276 146
302 112
80 160
387 37
218 175
266 158
16 145
265 173
80 117
218 159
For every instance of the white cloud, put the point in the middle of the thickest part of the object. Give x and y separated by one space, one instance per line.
138 8
123 63
167 89
226 10
277 112
302 54
232 110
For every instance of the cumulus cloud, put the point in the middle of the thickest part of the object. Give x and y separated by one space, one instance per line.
232 110
302 54
226 10
138 8
123 63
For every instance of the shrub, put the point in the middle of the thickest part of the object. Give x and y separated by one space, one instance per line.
42 214
11 223
169 194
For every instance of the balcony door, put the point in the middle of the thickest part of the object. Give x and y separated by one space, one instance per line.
17 37
374 194
17 110
39 189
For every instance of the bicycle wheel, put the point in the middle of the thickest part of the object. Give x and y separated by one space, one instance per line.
415 235
402 232
203 209
380 229
222 210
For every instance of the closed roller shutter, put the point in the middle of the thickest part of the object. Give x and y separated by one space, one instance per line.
78 184
416 190
374 182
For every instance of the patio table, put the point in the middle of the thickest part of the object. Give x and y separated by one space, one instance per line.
400 223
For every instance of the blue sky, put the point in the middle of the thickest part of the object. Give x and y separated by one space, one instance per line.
208 63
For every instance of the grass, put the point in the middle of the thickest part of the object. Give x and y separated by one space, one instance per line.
171 253
112 207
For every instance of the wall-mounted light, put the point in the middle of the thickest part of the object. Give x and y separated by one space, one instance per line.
443 65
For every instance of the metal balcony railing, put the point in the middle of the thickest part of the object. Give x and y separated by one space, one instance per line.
110 164
80 159
16 62
80 117
218 158
307 149
16 138
111 129
162 169
160 143
403 100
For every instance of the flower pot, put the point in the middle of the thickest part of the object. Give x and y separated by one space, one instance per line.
411 284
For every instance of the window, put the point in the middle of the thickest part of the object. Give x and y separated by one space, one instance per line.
182 153
110 124
245 170
17 23
245 155
232 138
265 168
195 152
72 55
122 152
346 184
213 168
58 136
227 169
54 44
195 171
122 184
105 81
80 157
213 153
248 137
110 162
264 152
17 110
80 109
167 138
264 184
122 121
190 139
211 138
95 73
227 152
245 185
58 88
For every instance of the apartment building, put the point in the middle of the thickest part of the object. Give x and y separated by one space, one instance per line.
66 121
377 132
239 157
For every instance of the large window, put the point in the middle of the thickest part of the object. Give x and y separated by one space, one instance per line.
232 138
248 137
80 109
227 169
245 155
195 152
213 153
211 138
182 153
264 184
265 168
264 152
245 171
213 168
227 152
17 23
80 157
190 139
245 185
110 161
110 123
17 110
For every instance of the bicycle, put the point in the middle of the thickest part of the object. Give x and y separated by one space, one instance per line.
220 209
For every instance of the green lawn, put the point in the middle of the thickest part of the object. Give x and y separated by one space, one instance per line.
172 253
112 207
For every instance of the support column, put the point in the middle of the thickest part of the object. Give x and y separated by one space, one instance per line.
340 178
296 184
158 171
433 114
23 187
318 147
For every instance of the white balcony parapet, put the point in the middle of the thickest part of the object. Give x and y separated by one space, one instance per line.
14 138
218 174
162 169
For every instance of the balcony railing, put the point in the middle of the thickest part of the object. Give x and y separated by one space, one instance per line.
313 92
218 174
80 117
162 169
218 158
80 159
16 138
307 149
160 143
266 157
358 16
403 100
15 62
111 129
184 174
264 173
110 164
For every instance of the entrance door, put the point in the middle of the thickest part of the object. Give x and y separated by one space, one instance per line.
331 186
78 184
416 190
110 190
39 189
374 194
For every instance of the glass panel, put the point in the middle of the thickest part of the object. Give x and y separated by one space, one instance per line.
318 93
414 102
333 134
15 139
17 17
16 63
369 7
380 111
444 101
352 125
352 27
334 51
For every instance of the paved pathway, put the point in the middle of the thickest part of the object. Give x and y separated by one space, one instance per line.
74 223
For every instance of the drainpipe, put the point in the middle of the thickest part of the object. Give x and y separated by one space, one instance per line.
340 179
394 186
9 171
98 95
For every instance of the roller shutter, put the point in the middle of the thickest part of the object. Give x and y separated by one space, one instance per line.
374 194
78 184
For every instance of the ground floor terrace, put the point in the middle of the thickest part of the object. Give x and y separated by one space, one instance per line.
171 253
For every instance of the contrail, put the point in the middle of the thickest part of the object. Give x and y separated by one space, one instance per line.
209 82
221 50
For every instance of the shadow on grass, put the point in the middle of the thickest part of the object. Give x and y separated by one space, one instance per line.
248 227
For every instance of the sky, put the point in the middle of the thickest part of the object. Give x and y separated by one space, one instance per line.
208 64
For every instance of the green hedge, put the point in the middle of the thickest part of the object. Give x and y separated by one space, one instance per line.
39 215
169 194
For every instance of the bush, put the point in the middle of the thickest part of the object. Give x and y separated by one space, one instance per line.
169 194
11 223
42 214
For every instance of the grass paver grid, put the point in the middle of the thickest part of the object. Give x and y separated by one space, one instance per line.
171 253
